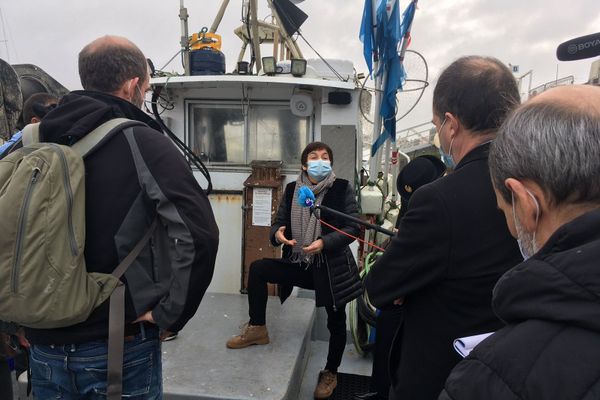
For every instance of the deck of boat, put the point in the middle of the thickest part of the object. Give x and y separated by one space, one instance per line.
197 365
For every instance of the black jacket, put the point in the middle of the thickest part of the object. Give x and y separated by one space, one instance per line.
551 346
336 278
451 248
129 181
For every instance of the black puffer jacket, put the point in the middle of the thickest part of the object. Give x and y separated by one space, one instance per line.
336 279
551 346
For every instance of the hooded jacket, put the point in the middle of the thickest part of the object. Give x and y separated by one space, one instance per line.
551 345
136 176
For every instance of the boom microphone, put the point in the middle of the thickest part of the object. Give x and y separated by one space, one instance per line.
306 198
579 48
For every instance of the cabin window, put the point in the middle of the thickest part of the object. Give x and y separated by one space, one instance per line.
276 134
217 133
228 134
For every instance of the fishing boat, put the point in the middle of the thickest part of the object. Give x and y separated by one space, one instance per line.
243 132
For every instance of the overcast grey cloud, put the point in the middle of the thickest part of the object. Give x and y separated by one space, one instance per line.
525 33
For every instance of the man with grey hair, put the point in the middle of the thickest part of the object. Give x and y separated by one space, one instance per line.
452 243
545 167
134 177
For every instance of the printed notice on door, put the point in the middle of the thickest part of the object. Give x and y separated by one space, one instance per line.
261 206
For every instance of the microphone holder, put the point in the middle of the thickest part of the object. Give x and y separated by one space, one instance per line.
353 219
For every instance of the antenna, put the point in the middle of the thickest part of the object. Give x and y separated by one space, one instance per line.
185 45
4 39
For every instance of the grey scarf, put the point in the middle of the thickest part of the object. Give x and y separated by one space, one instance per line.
305 228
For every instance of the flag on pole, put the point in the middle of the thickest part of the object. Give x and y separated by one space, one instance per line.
389 35
366 34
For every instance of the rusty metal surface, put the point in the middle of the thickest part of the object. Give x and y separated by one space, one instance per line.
257 243
227 208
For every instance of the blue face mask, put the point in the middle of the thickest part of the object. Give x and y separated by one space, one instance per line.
446 157
318 169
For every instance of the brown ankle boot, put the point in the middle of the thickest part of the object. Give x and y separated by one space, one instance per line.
251 334
326 385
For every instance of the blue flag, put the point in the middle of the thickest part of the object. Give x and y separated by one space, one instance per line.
389 35
366 34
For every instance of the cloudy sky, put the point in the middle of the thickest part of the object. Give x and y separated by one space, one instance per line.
525 33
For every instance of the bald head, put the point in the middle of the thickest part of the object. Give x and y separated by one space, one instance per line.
479 91
107 42
554 141
578 98
108 62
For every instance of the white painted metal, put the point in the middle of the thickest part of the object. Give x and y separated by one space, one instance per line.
228 180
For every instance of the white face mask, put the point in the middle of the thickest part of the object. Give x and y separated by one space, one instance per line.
526 240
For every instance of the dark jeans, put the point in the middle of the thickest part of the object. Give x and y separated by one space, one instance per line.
283 272
78 371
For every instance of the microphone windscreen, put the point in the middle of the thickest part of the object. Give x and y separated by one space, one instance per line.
579 48
306 197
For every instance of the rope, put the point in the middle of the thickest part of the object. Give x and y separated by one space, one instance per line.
349 235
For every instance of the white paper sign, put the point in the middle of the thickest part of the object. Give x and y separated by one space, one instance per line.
261 206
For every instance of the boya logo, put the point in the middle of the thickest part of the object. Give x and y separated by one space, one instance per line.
574 48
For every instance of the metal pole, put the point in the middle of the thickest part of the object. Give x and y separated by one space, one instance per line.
373 165
242 52
378 155
289 43
406 37
185 44
255 38
275 39
386 169
219 17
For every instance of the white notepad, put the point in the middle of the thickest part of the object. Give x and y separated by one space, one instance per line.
464 345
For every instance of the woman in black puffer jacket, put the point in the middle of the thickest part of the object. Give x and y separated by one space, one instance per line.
314 257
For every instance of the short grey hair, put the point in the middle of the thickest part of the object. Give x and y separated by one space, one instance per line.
555 145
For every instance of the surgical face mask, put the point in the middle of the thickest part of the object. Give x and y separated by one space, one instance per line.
525 240
446 157
139 99
318 169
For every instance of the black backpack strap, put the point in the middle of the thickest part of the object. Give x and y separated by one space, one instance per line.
116 322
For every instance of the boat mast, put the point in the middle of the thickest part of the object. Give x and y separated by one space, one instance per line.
185 44
219 17
375 162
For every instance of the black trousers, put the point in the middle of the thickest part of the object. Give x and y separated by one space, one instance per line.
387 324
6 391
282 272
